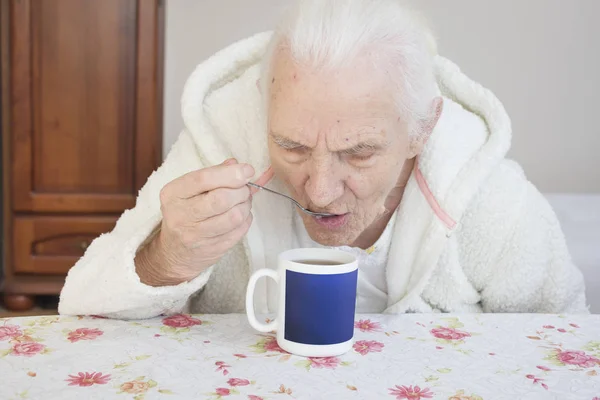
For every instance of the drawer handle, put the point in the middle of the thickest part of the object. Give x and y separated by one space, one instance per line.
84 245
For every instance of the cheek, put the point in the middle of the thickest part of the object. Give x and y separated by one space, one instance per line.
374 184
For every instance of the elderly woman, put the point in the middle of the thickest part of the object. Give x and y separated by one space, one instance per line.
347 109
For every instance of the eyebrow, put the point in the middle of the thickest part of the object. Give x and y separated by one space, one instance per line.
362 147
285 142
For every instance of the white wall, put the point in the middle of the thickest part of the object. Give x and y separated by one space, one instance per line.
541 57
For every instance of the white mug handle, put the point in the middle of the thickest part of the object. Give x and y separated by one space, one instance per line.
259 326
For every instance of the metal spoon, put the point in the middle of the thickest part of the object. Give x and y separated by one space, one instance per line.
315 214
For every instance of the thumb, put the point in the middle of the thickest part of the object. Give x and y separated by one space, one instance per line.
229 161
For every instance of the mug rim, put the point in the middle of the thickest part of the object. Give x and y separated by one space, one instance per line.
288 261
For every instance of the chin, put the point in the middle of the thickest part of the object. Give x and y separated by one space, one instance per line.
330 239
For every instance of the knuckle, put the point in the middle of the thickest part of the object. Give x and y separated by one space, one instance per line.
246 226
167 225
237 216
230 241
163 210
170 223
249 221
198 210
201 175
164 195
240 231
214 202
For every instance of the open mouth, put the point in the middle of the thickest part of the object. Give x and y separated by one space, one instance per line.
335 221
326 216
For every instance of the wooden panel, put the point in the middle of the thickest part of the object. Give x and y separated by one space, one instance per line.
83 59
74 202
20 103
34 284
5 217
86 102
148 143
52 245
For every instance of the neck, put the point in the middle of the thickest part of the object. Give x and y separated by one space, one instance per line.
373 232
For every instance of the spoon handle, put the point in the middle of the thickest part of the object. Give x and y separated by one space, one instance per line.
289 198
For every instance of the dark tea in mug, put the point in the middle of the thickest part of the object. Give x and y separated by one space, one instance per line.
318 262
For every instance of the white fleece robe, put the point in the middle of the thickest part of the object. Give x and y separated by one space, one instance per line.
471 234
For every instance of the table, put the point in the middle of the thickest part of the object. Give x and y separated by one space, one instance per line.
414 356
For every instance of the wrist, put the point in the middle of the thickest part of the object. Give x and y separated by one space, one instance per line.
153 267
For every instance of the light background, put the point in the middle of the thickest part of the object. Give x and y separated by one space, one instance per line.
540 57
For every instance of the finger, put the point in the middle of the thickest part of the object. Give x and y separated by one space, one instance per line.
238 233
230 239
220 176
216 202
263 179
226 222
253 190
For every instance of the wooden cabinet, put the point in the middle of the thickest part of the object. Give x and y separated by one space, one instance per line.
81 127
50 245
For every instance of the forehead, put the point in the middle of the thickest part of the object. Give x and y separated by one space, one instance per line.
355 95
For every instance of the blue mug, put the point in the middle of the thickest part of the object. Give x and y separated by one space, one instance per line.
317 301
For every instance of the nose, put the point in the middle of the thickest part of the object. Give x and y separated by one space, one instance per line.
323 186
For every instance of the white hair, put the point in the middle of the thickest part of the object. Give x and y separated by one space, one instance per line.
330 34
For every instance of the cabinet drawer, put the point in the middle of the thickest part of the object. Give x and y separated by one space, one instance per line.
52 245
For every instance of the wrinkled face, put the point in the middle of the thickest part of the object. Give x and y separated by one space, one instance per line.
336 140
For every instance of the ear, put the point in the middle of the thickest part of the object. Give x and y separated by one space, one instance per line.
426 128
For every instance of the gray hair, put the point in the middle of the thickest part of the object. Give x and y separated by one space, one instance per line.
329 34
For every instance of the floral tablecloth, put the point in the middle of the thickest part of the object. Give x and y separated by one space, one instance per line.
416 356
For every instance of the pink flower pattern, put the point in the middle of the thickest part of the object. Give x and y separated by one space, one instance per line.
88 379
577 357
366 325
84 334
271 345
324 362
537 380
449 333
563 345
223 391
181 321
9 332
410 393
222 367
27 349
364 347
238 382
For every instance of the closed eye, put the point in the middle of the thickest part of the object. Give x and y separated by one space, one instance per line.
362 156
